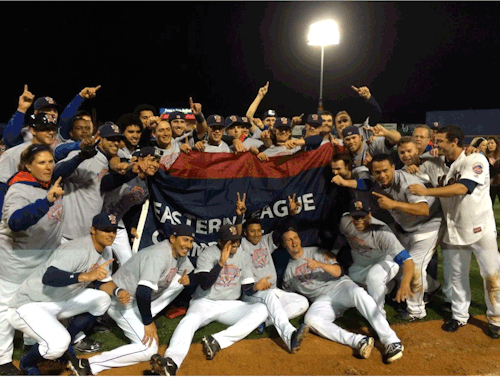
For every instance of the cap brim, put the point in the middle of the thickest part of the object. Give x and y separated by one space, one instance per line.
112 135
359 213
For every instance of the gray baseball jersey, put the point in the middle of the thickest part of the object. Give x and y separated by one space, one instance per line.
170 155
377 146
280 150
250 142
309 282
9 161
233 275
75 256
121 199
154 267
399 192
260 255
82 199
376 244
23 251
222 147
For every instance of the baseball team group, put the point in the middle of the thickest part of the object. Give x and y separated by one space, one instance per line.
71 192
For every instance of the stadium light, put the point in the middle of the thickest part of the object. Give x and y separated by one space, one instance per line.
323 33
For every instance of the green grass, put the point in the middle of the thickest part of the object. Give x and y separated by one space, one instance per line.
351 319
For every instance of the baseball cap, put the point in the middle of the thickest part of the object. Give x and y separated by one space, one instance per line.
109 129
351 130
215 120
269 113
183 230
42 102
176 115
228 232
359 207
148 151
105 220
42 120
283 122
314 120
233 120
246 122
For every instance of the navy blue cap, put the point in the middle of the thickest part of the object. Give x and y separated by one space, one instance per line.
42 120
351 130
183 230
283 122
176 115
314 120
269 113
233 120
215 120
359 207
148 151
42 102
105 220
246 122
228 232
109 129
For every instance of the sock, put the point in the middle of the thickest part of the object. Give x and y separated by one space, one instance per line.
80 323
31 358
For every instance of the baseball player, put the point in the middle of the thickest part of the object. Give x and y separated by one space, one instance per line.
169 148
131 128
376 252
57 289
214 143
419 219
235 127
462 184
154 277
223 270
268 118
312 273
281 305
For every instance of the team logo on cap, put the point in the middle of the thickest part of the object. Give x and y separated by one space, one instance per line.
314 117
233 118
218 118
358 205
284 121
115 128
271 112
245 119
477 168
50 100
112 219
233 230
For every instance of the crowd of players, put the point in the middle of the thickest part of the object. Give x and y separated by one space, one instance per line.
71 190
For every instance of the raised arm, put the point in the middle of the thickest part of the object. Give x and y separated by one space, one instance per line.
256 102
12 133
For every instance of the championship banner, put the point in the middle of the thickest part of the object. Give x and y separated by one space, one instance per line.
200 190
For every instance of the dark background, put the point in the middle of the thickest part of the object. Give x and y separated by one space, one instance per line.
414 56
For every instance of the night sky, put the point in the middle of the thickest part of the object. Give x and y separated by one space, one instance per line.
414 56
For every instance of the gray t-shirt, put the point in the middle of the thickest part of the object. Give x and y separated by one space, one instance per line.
122 198
233 275
170 155
82 198
399 192
154 267
374 245
309 282
222 147
280 150
21 252
260 255
376 146
75 256
250 142
9 161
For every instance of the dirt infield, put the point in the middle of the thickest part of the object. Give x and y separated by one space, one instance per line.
428 351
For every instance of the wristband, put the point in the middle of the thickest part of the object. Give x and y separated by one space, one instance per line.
200 118
239 219
116 291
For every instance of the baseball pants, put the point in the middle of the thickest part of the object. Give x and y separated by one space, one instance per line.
40 320
376 279
241 317
328 307
281 307
128 318
456 261
121 246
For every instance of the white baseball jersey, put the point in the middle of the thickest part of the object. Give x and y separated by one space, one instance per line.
235 273
260 254
468 217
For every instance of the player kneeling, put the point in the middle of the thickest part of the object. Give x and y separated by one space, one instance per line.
313 274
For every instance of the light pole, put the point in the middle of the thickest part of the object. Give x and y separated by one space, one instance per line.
323 33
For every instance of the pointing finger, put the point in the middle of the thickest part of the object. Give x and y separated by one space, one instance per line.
191 104
108 262
97 88
184 273
377 194
25 87
56 183
356 89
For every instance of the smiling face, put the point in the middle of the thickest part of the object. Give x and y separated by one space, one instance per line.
42 166
81 129
361 223
163 134
421 138
235 131
383 172
353 143
483 146
444 146
132 135
44 135
110 145
181 245
215 134
327 123
103 237
152 164
492 145
339 168
282 134
253 233
292 243
408 153
178 127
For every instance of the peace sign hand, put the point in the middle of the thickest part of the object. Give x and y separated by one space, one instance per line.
293 205
241 208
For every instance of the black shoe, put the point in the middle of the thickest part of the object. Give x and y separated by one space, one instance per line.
79 367
393 352
452 325
210 346
405 316
446 307
163 366
87 345
493 331
9 370
297 337
365 347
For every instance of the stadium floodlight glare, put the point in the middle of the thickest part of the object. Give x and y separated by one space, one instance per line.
323 33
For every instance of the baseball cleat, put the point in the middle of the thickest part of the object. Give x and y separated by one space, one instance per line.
261 328
365 347
297 337
210 346
9 369
79 367
406 316
452 325
493 331
28 370
163 366
393 352
87 345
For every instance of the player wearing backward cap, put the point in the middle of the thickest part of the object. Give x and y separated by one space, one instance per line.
420 219
214 143
154 277
223 271
376 252
312 273
281 305
57 289
462 184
